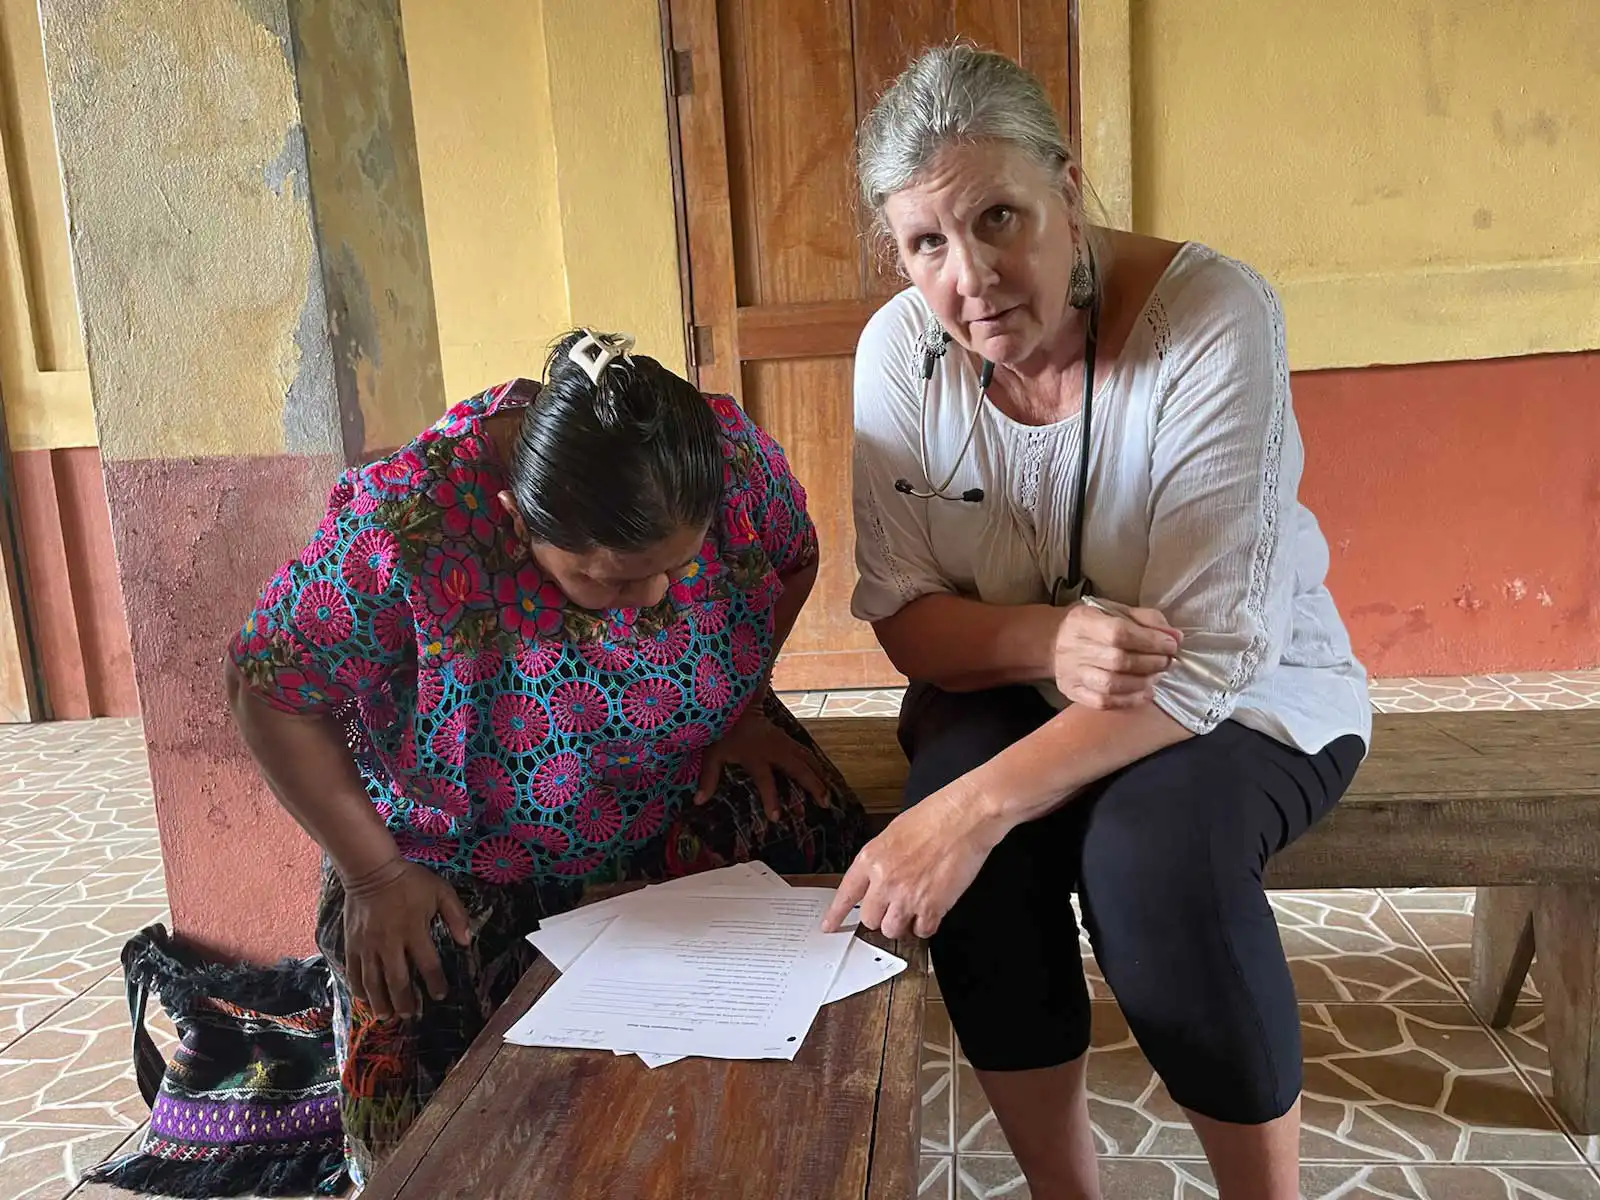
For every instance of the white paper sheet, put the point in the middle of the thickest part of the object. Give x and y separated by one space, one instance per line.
865 966
563 937
719 973
739 875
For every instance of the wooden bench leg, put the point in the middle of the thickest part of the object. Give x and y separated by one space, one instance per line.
1567 934
1502 949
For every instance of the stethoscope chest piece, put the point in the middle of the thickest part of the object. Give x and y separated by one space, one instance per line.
1063 594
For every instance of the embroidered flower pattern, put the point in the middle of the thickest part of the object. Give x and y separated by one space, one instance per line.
466 496
360 676
323 614
621 763
430 691
450 740
536 660
552 839
422 848
556 780
322 542
392 628
428 820
368 565
606 655
491 785
709 616
476 666
748 654
598 817
578 707
651 702
647 822
500 858
503 732
530 605
395 477
453 581
666 647
520 722
712 687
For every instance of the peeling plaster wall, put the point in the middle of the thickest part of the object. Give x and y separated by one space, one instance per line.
367 191
195 314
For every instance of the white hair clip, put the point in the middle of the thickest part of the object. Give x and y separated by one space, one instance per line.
594 352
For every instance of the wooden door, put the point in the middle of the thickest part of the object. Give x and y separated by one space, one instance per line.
780 279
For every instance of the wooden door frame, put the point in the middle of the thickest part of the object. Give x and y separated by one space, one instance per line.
691 60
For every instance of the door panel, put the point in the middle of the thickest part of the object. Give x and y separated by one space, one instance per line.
804 403
781 279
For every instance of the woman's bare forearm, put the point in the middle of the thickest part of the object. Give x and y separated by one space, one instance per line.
1078 746
309 768
964 645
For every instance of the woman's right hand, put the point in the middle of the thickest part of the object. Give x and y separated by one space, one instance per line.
388 919
1110 656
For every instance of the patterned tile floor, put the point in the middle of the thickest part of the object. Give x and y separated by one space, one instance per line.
1408 1095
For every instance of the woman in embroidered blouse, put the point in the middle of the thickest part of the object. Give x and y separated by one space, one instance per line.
546 630
1150 748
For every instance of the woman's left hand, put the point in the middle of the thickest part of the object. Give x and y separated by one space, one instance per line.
764 751
907 878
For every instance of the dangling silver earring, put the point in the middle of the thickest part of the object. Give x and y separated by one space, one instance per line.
1080 286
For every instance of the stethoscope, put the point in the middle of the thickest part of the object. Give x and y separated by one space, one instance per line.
934 342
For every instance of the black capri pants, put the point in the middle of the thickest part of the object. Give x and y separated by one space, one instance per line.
1166 856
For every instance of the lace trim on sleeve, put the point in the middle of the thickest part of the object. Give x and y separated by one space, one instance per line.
1267 540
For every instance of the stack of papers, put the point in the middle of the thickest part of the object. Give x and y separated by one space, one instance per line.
726 964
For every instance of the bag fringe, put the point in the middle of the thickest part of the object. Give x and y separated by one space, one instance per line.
319 1172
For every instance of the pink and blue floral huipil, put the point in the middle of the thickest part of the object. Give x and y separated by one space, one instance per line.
501 731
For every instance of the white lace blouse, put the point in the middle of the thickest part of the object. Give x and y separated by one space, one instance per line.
1195 463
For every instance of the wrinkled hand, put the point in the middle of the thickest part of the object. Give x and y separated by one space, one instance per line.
763 750
387 929
1112 659
907 878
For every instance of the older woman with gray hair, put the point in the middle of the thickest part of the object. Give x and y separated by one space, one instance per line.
1079 536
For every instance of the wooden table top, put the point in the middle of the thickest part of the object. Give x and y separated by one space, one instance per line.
840 1122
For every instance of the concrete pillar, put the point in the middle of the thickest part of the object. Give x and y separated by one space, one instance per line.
252 272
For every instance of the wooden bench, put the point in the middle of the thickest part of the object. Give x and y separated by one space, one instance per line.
838 1123
1508 802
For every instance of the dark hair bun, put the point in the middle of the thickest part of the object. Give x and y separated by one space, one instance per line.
618 459
622 397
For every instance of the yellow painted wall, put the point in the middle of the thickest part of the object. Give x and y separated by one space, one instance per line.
1421 181
546 179
42 375
481 102
609 105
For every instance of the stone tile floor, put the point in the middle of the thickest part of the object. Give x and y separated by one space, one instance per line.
1408 1095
